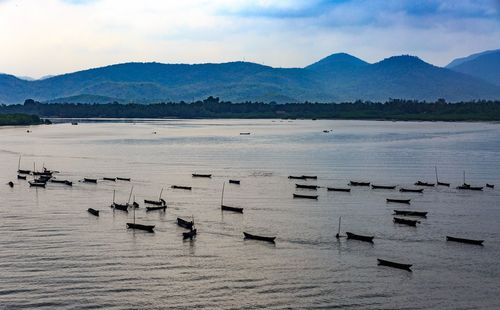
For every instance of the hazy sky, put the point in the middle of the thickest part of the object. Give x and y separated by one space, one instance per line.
39 37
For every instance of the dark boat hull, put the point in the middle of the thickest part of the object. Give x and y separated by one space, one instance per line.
359 237
21 177
305 196
335 189
313 187
470 188
189 234
184 223
261 238
198 175
405 201
402 221
234 182
292 177
93 211
153 202
36 184
462 240
354 183
443 184
156 208
232 209
313 177
490 185
88 180
410 213
148 228
388 263
120 207
123 179
66 182
383 186
188 188
411 190
109 179
21 171
420 183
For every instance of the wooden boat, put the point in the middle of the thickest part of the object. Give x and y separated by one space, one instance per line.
233 209
184 223
293 177
443 184
315 187
462 240
200 175
359 237
305 196
244 133
470 188
234 182
38 173
163 208
109 179
36 184
22 171
256 237
383 186
354 183
490 185
411 190
93 211
407 201
410 213
119 206
420 183
181 187
388 263
403 221
123 179
66 182
313 177
89 180
189 235
149 228
21 177
337 189
153 202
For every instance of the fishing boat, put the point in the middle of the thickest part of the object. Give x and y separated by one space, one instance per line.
294 177
93 211
66 182
159 202
119 206
421 183
21 171
228 208
406 201
185 223
383 186
148 228
244 133
189 234
89 180
163 208
256 237
462 240
36 184
354 183
490 185
21 177
234 182
109 179
44 173
470 188
437 179
411 190
338 189
305 196
188 188
315 187
200 175
403 221
389 263
359 237
313 177
123 179
410 213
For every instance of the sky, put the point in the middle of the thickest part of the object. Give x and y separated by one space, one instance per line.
47 37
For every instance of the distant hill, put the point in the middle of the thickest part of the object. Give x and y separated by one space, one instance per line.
336 78
485 65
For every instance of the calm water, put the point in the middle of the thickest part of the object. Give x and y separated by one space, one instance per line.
53 254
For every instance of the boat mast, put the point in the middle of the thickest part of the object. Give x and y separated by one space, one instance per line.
464 177
436 169
338 233
130 195
161 192
222 198
19 163
133 207
114 197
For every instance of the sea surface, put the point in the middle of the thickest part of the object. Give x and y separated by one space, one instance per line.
55 255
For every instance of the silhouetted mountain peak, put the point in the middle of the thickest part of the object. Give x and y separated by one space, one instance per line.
403 60
485 66
458 61
338 61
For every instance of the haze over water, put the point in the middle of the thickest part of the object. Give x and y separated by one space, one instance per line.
53 254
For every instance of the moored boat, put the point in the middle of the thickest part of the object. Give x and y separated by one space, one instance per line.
443 184
355 183
469 187
109 179
234 182
184 223
163 208
201 175
406 201
421 183
359 237
305 196
93 211
399 220
21 177
389 263
22 171
313 177
257 237
490 185
119 206
463 240
181 187
338 189
89 180
36 184
383 186
410 213
123 179
233 209
306 186
189 234
148 228
294 177
66 182
411 190
153 202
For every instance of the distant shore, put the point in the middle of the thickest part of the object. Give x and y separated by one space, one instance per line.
212 108
19 119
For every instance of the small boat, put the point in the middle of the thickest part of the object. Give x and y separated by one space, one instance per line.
21 177
462 240
443 184
411 190
163 208
383 186
93 211
256 237
388 263
36 184
420 183
200 175
66 182
123 179
119 206
233 209
337 189
153 202
315 187
184 223
109 179
490 185
326 131
189 235
38 173
403 221
294 177
305 196
313 177
88 180
407 201
149 228
21 171
244 133
354 183
410 213
359 237
234 182
469 187
181 187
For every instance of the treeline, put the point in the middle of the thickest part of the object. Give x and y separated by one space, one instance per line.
211 107
20 119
